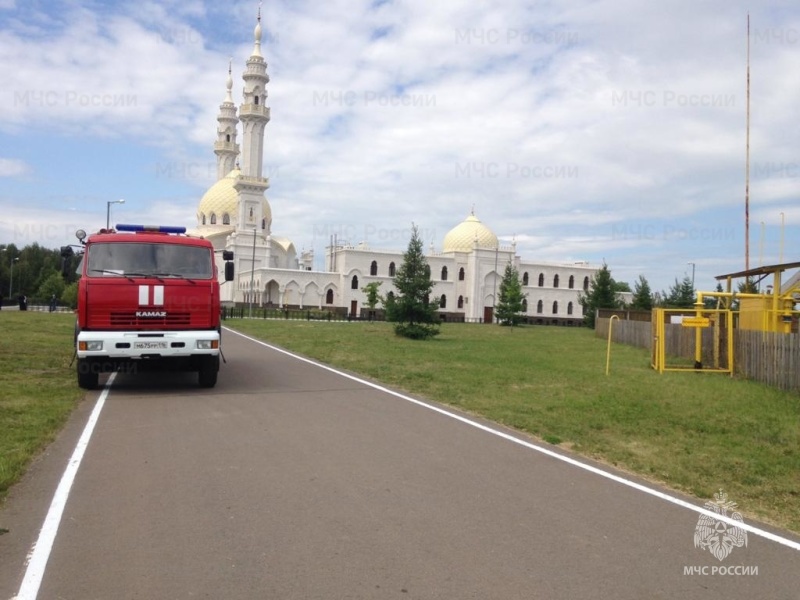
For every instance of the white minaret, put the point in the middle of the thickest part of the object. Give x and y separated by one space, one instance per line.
226 147
251 240
254 115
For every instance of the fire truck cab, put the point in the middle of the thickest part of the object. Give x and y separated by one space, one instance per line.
148 298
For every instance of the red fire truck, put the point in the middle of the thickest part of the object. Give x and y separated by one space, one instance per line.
148 297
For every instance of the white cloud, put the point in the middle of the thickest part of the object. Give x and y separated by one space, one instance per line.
558 122
10 167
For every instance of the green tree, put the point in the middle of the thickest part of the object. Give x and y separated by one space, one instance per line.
711 302
69 297
52 286
509 305
621 286
747 286
681 294
601 294
411 308
373 297
642 296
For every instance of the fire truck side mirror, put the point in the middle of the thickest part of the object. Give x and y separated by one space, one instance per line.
227 255
228 271
66 254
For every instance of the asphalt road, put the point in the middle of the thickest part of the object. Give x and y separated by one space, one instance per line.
289 481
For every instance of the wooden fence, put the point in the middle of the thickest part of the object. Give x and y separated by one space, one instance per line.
770 358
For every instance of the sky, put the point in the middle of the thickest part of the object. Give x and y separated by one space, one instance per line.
583 130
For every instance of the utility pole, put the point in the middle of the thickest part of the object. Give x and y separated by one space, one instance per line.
253 271
108 211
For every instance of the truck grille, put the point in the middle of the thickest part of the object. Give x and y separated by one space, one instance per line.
129 319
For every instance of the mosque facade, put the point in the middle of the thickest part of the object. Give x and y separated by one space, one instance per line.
234 214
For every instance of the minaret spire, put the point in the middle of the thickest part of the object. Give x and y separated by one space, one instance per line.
254 113
257 34
226 147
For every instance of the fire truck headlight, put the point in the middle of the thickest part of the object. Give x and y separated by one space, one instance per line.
91 346
207 344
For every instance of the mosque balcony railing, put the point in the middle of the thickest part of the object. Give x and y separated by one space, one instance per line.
255 64
254 109
226 146
260 181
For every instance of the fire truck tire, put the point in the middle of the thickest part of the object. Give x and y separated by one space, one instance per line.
87 376
207 375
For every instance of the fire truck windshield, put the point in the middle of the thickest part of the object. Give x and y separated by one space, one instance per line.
148 260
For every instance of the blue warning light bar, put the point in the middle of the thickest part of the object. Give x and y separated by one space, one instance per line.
150 228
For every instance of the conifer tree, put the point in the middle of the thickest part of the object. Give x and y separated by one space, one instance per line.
642 296
681 295
509 305
411 308
601 294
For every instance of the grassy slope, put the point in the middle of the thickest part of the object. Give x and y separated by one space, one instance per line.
37 389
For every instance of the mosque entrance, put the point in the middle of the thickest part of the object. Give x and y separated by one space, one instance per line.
488 314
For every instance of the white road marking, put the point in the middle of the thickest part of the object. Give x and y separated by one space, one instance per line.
592 469
40 554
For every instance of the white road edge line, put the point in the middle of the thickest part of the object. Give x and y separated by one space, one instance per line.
592 469
40 553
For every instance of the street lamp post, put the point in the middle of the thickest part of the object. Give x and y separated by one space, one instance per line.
108 211
11 277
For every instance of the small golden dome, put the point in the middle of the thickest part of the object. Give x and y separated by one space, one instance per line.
221 199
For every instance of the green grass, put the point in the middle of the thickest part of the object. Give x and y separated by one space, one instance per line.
694 432
37 389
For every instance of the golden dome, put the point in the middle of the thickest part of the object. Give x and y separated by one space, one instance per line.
462 237
221 199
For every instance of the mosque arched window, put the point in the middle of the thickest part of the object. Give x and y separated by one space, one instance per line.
585 284
540 307
555 280
541 279
373 268
443 301
227 137
525 278
226 219
461 274
555 307
391 269
390 296
203 218
329 297
572 282
354 283
461 302
213 219
263 223
256 100
444 273
524 305
569 308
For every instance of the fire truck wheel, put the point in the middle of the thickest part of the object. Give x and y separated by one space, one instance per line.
87 376
209 367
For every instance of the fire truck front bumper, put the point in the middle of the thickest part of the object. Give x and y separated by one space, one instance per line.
147 344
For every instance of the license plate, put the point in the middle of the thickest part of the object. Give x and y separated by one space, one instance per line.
150 345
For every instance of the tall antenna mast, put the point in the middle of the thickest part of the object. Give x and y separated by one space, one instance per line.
747 163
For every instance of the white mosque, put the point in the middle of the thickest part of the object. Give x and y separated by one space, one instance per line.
234 215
